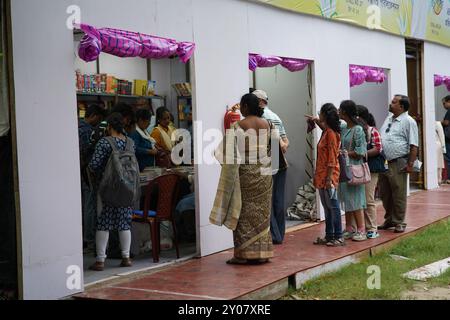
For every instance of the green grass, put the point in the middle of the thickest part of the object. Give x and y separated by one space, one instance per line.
350 283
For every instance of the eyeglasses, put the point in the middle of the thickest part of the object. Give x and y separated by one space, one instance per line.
389 128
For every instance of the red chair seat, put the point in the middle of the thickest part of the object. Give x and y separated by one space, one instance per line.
168 191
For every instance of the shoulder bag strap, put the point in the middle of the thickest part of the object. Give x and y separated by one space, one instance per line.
112 143
351 142
129 145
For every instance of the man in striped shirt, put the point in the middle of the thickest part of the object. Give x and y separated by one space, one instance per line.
400 139
278 216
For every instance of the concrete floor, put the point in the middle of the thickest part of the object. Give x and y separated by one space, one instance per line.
211 278
294 223
141 262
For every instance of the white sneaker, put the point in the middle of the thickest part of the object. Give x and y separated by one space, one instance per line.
359 236
372 235
348 235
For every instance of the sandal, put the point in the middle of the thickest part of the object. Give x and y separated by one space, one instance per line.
336 243
98 266
258 261
237 261
320 242
263 260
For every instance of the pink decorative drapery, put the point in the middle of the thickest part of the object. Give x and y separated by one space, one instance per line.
440 80
126 44
362 74
260 61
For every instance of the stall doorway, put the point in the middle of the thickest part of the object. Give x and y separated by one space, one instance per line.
291 98
9 284
414 62
171 81
441 91
374 96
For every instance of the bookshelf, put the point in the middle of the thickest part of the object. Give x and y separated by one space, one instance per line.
110 99
87 95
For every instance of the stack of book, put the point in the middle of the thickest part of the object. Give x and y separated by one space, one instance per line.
104 83
183 89
95 83
124 87
144 88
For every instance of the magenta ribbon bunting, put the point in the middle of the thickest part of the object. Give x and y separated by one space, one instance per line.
126 44
291 64
362 74
442 80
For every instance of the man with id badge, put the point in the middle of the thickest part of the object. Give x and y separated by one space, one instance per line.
400 139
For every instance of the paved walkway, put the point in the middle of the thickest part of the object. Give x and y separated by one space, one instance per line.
211 278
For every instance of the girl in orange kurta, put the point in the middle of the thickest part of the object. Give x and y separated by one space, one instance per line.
326 178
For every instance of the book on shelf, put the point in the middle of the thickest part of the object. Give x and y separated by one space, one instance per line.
183 89
140 87
184 111
144 88
187 89
111 85
107 84
151 88
124 87
181 115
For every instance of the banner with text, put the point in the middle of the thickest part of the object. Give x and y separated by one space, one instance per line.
420 19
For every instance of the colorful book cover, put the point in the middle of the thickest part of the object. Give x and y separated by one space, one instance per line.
151 88
111 84
140 87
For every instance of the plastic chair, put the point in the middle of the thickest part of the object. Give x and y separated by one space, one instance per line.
168 190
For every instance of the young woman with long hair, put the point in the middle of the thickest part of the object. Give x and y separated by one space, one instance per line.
353 198
326 177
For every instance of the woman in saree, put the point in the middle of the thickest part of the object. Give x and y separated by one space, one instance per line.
163 131
244 196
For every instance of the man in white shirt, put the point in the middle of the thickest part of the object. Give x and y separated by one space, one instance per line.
278 216
400 139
